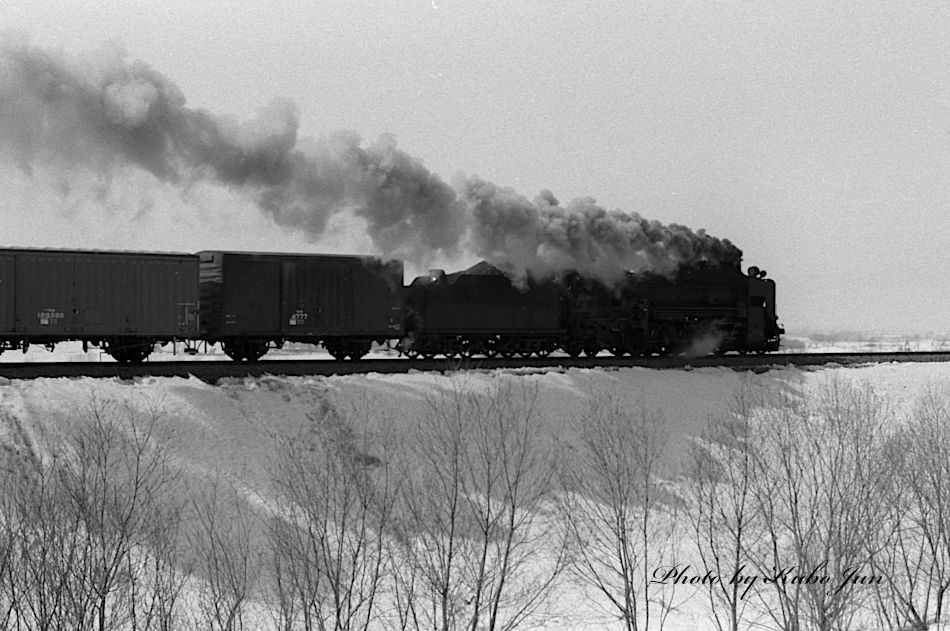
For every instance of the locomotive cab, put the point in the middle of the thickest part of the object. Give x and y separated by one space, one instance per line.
763 331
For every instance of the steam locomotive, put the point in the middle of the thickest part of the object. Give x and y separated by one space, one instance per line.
127 302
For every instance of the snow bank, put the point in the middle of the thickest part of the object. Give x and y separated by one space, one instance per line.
227 429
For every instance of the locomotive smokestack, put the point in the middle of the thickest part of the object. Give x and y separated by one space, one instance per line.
113 114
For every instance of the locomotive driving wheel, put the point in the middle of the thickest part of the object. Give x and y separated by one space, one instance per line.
507 348
472 347
670 340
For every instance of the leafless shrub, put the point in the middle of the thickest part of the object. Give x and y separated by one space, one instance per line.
723 512
74 523
818 490
334 491
160 571
47 572
476 544
9 527
227 562
118 479
914 559
622 512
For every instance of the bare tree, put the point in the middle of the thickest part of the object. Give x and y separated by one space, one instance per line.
9 526
479 547
46 576
222 539
334 497
158 575
722 508
818 489
914 556
74 522
622 511
117 480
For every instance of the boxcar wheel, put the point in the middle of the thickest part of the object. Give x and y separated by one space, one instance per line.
129 355
358 349
126 357
244 350
233 350
254 354
129 352
338 354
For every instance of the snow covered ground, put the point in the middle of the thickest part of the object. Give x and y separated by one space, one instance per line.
223 429
859 342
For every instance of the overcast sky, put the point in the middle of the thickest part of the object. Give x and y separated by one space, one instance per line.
813 135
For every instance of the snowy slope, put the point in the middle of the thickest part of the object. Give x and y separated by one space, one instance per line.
225 429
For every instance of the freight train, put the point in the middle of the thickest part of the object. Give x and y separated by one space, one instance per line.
127 302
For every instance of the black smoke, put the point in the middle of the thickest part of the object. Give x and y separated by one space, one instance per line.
114 113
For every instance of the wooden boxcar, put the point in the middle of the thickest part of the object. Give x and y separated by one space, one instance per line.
123 302
251 301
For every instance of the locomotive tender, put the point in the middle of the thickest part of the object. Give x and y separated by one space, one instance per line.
126 302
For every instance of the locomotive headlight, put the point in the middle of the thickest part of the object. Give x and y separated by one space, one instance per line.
753 271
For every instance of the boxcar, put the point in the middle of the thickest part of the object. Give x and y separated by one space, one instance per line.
251 301
124 302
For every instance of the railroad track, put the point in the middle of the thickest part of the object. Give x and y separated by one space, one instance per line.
212 371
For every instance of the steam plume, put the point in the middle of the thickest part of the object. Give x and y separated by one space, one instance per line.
112 113
541 237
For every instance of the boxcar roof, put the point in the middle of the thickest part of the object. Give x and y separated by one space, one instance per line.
93 251
296 255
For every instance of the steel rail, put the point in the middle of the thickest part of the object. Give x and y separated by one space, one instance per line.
212 371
